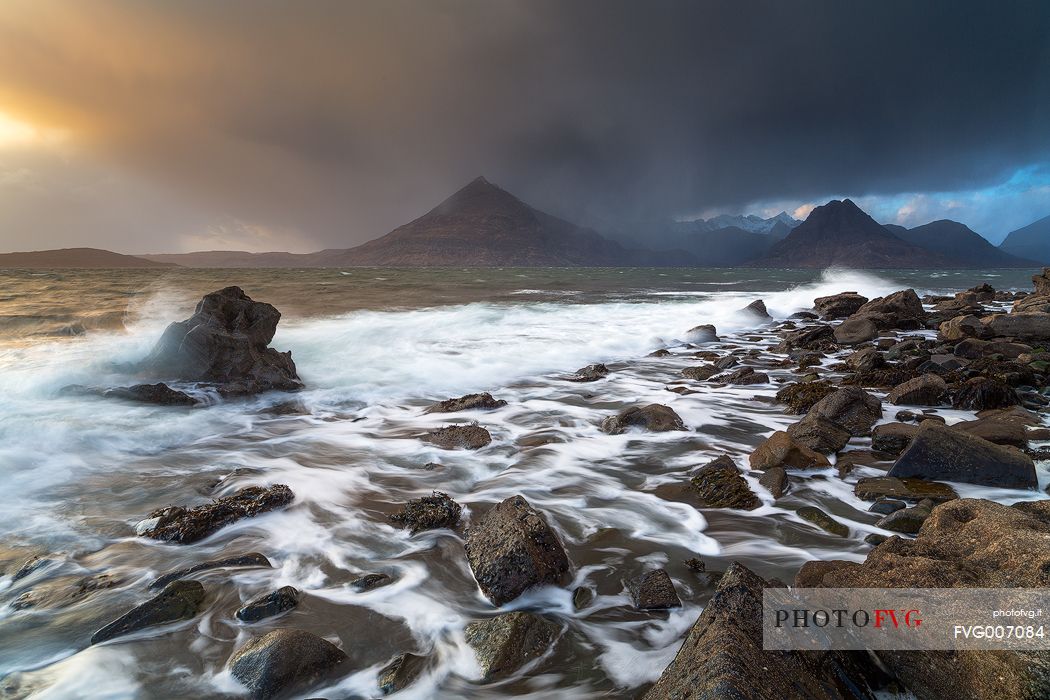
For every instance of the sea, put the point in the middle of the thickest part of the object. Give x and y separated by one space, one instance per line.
374 348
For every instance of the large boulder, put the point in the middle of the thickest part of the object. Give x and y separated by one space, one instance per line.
1042 282
965 543
855 330
1025 325
655 418
1003 427
893 437
705 333
866 359
808 338
452 437
184 526
432 512
800 396
180 600
722 656
719 485
960 327
505 643
839 305
901 310
283 662
939 452
983 393
926 390
850 407
873 488
512 548
269 604
819 434
225 343
653 590
757 311
781 450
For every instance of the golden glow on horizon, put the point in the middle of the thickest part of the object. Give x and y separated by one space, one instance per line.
15 133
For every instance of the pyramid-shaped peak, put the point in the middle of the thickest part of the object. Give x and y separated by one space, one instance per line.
479 194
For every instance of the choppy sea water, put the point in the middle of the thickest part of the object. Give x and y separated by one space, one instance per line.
374 348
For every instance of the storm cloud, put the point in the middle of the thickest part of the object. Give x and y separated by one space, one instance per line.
303 125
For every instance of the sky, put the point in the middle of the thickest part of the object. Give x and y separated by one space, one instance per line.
148 126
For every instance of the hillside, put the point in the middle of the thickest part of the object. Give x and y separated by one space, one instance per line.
84 258
1031 241
958 241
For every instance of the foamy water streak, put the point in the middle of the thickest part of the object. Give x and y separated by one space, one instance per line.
85 470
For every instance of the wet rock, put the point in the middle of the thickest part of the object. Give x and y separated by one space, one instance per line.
451 437
973 348
878 487
512 548
401 672
800 396
757 308
855 330
905 520
269 604
893 438
961 327
839 305
808 338
469 402
851 407
653 590
940 452
61 592
722 656
743 376
780 450
505 643
776 481
901 310
243 560
1024 325
819 434
581 597
982 393
178 601
1041 280
662 352
865 359
823 521
967 543
181 525
726 362
927 390
370 582
655 418
31 566
705 333
428 513
875 539
719 485
997 427
225 343
283 662
701 372
885 506
590 373
159 393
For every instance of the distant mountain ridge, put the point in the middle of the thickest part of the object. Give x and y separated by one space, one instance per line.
959 242
1031 241
751 223
80 258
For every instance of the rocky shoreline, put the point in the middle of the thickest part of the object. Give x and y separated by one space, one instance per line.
855 360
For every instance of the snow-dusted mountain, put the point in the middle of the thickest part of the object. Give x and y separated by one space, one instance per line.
747 222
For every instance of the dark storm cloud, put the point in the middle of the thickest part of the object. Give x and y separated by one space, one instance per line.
328 123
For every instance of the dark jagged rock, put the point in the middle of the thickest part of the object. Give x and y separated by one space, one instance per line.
940 452
653 590
726 362
428 513
927 390
982 393
177 524
851 407
719 485
780 450
885 506
705 333
757 308
743 376
1000 427
839 305
876 487
159 393
590 373
865 359
269 604
893 438
505 643
370 582
800 396
31 566
225 343
855 330
581 597
451 437
823 521
283 662
776 481
809 338
250 559
512 548
401 672
178 601
469 402
700 373
722 656
901 310
967 543
819 434
655 418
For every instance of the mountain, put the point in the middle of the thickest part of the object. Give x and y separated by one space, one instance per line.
1032 241
958 241
483 225
234 258
94 258
841 234
745 222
